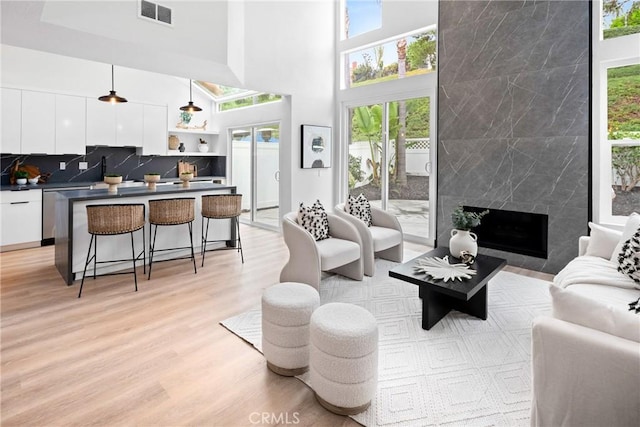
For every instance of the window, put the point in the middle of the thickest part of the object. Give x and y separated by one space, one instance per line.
623 134
247 101
616 110
406 56
620 18
361 16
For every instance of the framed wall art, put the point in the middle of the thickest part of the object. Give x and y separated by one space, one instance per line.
316 146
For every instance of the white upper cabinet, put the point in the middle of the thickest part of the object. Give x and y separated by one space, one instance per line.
154 140
130 124
71 120
101 123
114 125
11 120
38 122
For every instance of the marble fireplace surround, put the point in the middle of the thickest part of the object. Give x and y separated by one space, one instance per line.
513 117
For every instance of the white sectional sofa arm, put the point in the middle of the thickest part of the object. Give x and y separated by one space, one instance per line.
304 258
583 243
583 377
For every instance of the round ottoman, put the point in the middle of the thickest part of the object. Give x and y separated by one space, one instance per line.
286 310
343 359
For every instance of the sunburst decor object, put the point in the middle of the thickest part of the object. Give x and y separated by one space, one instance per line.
440 269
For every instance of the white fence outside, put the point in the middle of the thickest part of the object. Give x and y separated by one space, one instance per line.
417 155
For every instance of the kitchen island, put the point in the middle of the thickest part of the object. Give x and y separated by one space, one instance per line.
72 238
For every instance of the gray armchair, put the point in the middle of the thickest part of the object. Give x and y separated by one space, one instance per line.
308 258
383 239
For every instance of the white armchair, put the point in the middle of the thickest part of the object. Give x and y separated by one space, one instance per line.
383 239
308 258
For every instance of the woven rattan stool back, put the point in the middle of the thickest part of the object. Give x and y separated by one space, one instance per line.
220 206
172 211
115 219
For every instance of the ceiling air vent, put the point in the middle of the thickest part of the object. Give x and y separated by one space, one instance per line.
155 12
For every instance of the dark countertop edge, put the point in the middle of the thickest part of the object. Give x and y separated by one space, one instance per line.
53 185
101 194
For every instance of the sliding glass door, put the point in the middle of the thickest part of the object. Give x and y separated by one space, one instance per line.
255 172
389 160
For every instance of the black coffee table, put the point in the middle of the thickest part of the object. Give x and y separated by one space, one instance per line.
440 297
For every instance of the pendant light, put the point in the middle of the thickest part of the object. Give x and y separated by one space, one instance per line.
112 97
190 107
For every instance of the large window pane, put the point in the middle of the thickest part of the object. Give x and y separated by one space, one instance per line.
365 152
620 17
623 120
408 56
361 16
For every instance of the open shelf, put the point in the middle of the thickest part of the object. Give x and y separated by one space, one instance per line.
194 131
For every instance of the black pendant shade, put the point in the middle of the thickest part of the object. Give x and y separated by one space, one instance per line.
190 107
112 97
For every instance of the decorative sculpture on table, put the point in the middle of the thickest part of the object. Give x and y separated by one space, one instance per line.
440 269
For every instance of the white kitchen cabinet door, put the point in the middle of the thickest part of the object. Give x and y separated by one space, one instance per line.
155 130
101 122
71 120
11 120
21 217
130 125
38 122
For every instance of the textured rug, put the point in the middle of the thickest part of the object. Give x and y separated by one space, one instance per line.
464 371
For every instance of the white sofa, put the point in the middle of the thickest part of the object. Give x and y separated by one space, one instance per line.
586 356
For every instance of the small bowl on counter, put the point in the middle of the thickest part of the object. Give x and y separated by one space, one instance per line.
34 181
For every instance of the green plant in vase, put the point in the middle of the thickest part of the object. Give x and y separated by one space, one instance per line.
21 177
185 116
462 240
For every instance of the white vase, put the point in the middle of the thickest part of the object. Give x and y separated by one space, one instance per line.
203 148
463 240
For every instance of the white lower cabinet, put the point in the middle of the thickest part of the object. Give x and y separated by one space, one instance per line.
21 217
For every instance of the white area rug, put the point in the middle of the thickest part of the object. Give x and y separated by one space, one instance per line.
464 371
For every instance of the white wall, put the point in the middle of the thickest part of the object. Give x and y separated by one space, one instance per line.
42 71
290 49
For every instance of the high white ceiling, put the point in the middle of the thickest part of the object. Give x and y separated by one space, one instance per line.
200 45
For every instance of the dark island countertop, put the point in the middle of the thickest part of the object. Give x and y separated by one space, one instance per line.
123 192
64 185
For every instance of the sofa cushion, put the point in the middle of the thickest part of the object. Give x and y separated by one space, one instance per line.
337 252
573 307
602 241
314 219
629 258
359 207
630 227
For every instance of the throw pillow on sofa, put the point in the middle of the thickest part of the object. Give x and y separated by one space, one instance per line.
359 207
314 219
603 241
630 227
629 258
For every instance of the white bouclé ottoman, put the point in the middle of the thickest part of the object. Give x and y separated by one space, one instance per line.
343 359
286 310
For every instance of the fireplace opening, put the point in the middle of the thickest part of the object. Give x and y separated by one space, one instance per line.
517 232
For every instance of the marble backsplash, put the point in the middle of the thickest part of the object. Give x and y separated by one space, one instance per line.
513 117
120 160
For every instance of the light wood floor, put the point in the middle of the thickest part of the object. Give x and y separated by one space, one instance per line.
157 357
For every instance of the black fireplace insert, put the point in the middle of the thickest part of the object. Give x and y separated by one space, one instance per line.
517 232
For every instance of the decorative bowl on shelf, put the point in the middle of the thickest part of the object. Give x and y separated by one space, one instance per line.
203 148
185 177
113 181
151 179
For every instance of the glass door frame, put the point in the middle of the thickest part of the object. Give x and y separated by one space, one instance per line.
253 168
384 100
